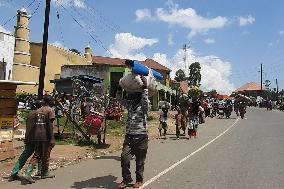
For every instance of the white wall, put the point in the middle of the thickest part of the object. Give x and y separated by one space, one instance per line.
7 42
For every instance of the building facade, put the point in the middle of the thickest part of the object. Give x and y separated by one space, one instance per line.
27 57
113 69
7 42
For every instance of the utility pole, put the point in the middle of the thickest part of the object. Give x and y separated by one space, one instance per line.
44 51
261 78
184 58
185 47
276 89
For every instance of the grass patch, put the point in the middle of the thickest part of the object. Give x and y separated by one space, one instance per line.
116 128
23 114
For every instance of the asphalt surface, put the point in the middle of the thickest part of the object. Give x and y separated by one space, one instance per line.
228 153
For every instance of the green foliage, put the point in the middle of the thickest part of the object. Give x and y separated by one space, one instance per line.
22 97
180 75
194 74
23 114
75 51
267 84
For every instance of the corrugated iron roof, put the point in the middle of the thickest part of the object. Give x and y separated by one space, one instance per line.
155 65
100 60
108 61
252 86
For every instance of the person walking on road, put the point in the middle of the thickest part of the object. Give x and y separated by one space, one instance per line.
44 140
136 138
163 121
178 122
193 116
29 142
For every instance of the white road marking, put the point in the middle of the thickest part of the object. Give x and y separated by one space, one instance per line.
187 157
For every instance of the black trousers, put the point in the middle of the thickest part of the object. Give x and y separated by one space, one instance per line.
134 145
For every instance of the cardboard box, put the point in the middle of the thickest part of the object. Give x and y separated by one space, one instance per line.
6 128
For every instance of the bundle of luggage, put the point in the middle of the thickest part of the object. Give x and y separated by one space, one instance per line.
132 82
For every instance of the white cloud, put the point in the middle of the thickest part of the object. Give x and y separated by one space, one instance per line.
281 32
79 3
66 3
215 72
188 18
162 59
246 20
59 44
170 39
126 46
209 40
143 14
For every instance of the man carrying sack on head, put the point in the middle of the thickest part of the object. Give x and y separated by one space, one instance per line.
136 138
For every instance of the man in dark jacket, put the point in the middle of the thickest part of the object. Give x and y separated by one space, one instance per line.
43 139
29 142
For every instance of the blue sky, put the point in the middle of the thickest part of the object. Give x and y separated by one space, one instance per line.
229 38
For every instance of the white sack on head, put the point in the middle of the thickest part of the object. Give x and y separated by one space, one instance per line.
131 83
151 84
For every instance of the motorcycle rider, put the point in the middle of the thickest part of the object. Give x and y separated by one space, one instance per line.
228 107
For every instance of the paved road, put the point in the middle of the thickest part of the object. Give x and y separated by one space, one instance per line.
229 153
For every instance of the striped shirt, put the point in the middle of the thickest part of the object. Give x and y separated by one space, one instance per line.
136 123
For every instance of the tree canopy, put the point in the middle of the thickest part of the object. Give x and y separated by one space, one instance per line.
194 74
180 75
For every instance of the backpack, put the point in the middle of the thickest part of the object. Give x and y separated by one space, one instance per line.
41 127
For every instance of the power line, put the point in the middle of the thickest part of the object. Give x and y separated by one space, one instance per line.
104 19
111 25
60 26
13 17
94 38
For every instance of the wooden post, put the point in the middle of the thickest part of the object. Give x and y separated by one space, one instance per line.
44 51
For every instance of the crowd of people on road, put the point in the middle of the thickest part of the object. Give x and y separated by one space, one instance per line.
191 111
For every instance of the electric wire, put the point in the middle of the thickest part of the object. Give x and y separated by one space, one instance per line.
13 17
98 41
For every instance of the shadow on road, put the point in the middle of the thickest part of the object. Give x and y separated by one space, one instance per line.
181 138
117 158
107 182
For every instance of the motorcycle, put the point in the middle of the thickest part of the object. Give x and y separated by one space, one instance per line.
221 111
214 110
228 110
